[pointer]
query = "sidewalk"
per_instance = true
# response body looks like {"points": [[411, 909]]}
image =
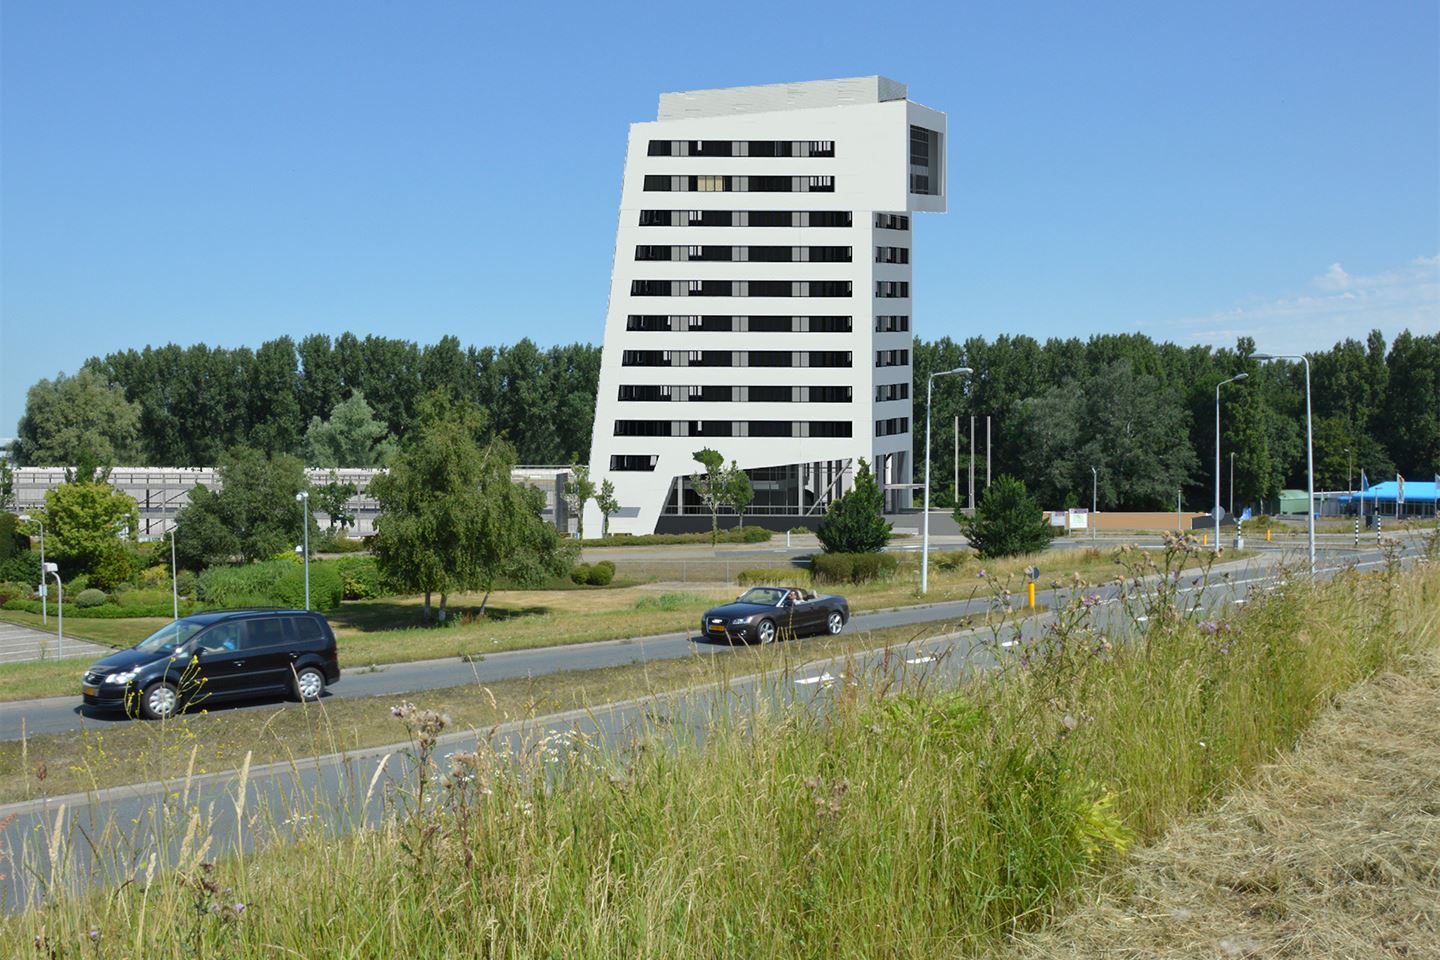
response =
{"points": [[22, 644]]}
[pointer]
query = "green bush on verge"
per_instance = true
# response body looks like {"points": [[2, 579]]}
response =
{"points": [[90, 597], [773, 576], [732, 535], [601, 574], [272, 583], [1008, 521], [853, 567]]}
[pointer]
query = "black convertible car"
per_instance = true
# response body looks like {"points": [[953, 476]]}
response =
{"points": [[768, 613]]}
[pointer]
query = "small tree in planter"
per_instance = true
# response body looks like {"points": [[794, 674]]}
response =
{"points": [[607, 503], [855, 522], [739, 493], [1008, 521], [711, 487]]}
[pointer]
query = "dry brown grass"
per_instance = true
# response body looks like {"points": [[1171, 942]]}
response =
{"points": [[1333, 851]]}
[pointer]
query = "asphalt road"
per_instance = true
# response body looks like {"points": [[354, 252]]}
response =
{"points": [[117, 834], [63, 714]]}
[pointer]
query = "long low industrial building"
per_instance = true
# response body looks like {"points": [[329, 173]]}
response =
{"points": [[160, 492]]}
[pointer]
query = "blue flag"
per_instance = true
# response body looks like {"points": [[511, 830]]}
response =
{"points": [[1364, 481], [1246, 515]]}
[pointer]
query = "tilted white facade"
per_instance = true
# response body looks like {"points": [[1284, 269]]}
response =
{"points": [[760, 303]]}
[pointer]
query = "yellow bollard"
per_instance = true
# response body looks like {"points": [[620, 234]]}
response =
{"points": [[1204, 539], [1032, 594], [1267, 534]]}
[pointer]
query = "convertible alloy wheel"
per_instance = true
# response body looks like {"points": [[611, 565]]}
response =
{"points": [[835, 623], [766, 631]]}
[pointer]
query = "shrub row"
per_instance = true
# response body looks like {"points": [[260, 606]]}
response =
{"points": [[773, 576], [853, 567], [272, 583], [593, 574], [732, 535]]}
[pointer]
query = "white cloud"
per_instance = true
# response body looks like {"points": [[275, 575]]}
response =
{"points": [[1407, 297]]}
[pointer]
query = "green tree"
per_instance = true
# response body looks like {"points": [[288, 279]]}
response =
{"points": [[606, 502], [855, 521], [579, 491], [253, 516], [1412, 409], [1007, 522], [70, 419], [332, 498], [710, 487], [87, 523], [7, 485], [352, 437], [452, 518], [739, 492]]}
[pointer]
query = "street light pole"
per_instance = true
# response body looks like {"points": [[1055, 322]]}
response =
{"points": [[25, 517], [1309, 449], [1094, 488], [1232, 483], [54, 571], [1216, 516], [925, 545], [174, 581], [304, 497]]}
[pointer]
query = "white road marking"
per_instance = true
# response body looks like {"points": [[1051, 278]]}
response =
{"points": [[823, 678], [1008, 643], [927, 659]]}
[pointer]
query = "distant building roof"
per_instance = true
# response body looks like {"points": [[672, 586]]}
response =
{"points": [[1416, 491], [778, 96]]}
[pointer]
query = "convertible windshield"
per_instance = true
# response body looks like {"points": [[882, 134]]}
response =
{"points": [[170, 637], [765, 596]]}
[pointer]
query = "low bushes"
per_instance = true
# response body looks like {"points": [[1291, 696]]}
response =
{"points": [[593, 574], [773, 576], [91, 597], [949, 559], [733, 535], [272, 583], [853, 567], [669, 602], [360, 578]]}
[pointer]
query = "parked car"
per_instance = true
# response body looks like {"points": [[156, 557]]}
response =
{"points": [[219, 655], [769, 613]]}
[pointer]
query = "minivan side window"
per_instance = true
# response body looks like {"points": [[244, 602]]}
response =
{"points": [[268, 632], [308, 628]]}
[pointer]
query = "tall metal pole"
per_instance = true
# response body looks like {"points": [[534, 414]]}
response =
{"points": [[970, 498], [1094, 487], [304, 497], [1309, 449], [1216, 516], [987, 451], [1232, 483], [925, 538], [174, 581], [956, 489]]}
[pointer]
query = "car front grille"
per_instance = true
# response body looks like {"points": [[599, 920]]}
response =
{"points": [[93, 678]]}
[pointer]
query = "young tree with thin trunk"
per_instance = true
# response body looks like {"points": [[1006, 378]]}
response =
{"points": [[607, 503], [710, 485], [739, 492], [579, 491]]}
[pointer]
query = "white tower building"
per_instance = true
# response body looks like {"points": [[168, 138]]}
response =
{"points": [[760, 302]]}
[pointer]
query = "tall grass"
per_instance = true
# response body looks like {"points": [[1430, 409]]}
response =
{"points": [[910, 818]]}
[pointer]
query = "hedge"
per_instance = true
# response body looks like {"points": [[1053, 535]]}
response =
{"points": [[272, 583], [773, 576], [853, 567]]}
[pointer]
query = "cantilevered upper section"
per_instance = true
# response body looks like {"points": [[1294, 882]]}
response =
{"points": [[771, 97]]}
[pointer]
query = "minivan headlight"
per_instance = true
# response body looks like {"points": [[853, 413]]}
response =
{"points": [[124, 676]]}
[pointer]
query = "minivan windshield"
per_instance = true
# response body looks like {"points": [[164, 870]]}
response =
{"points": [[170, 637]]}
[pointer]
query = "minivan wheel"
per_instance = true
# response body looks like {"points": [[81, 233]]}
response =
{"points": [[309, 684], [160, 701]]}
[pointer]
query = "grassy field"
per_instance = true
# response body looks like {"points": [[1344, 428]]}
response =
{"points": [[902, 822], [386, 630], [1329, 854]]}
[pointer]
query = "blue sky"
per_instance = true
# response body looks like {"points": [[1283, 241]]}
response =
{"points": [[231, 172]]}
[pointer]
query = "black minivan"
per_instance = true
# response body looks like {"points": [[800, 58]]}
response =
{"points": [[218, 655]]}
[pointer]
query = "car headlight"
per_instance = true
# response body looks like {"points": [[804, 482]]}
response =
{"points": [[735, 620], [125, 676]]}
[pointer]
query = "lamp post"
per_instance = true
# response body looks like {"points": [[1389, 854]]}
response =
{"points": [[54, 571], [1216, 517], [303, 498], [925, 545], [1232, 483], [25, 517], [174, 580], [1094, 488], [1309, 448]]}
